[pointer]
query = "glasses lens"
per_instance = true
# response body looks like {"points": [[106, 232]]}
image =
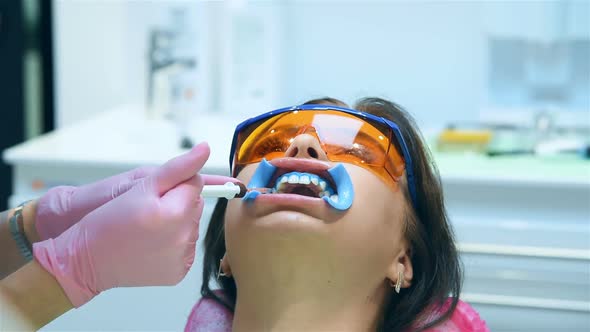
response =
{"points": [[343, 137]]}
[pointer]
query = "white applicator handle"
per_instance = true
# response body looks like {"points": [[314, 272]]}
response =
{"points": [[229, 190]]}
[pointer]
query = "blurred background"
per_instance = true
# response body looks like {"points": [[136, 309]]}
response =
{"points": [[500, 89]]}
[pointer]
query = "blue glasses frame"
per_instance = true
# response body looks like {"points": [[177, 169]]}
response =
{"points": [[362, 115]]}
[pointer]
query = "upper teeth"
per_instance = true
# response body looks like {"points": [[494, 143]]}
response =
{"points": [[305, 179]]}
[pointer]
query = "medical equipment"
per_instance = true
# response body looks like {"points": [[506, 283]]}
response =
{"points": [[229, 190]]}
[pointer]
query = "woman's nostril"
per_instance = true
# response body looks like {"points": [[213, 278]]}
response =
{"points": [[312, 152], [294, 152]]}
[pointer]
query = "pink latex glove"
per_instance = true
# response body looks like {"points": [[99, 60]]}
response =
{"points": [[145, 237], [63, 206]]}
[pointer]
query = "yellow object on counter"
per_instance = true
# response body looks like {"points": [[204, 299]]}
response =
{"points": [[464, 140]]}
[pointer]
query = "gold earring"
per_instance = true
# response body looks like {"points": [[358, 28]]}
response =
{"points": [[398, 284], [220, 272]]}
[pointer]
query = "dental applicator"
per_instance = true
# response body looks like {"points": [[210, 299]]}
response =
{"points": [[229, 190]]}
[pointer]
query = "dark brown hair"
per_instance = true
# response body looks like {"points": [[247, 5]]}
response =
{"points": [[437, 279]]}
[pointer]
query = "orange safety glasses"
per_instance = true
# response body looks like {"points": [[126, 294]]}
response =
{"points": [[345, 135]]}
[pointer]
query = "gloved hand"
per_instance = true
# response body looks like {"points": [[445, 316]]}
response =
{"points": [[145, 237], [63, 206]]}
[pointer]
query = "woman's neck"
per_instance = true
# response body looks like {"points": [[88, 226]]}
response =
{"points": [[306, 304], [305, 283]]}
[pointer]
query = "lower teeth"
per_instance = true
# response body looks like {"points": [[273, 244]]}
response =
{"points": [[333, 197]]}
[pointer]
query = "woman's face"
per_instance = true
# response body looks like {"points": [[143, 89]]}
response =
{"points": [[290, 235]]}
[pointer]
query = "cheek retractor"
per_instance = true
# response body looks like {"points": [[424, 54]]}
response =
{"points": [[260, 179], [344, 187]]}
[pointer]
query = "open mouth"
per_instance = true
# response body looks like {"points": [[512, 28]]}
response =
{"points": [[303, 183], [295, 176]]}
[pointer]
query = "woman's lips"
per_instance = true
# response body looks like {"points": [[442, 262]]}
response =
{"points": [[267, 205], [288, 198], [286, 201]]}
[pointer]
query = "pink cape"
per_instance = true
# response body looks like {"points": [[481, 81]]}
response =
{"points": [[210, 316]]}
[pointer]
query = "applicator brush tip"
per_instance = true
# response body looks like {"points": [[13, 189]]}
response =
{"points": [[243, 190]]}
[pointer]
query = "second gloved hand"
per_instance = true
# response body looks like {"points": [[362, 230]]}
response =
{"points": [[63, 206], [145, 237]]}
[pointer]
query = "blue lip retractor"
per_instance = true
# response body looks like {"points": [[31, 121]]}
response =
{"points": [[344, 187], [260, 179]]}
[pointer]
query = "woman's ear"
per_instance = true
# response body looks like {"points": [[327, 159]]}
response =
{"points": [[403, 264], [225, 267]]}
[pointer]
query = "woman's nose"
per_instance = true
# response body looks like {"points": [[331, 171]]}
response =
{"points": [[306, 146]]}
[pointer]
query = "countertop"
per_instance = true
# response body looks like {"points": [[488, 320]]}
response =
{"points": [[124, 137]]}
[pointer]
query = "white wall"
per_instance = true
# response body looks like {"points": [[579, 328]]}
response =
{"points": [[91, 64], [430, 57], [101, 50]]}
